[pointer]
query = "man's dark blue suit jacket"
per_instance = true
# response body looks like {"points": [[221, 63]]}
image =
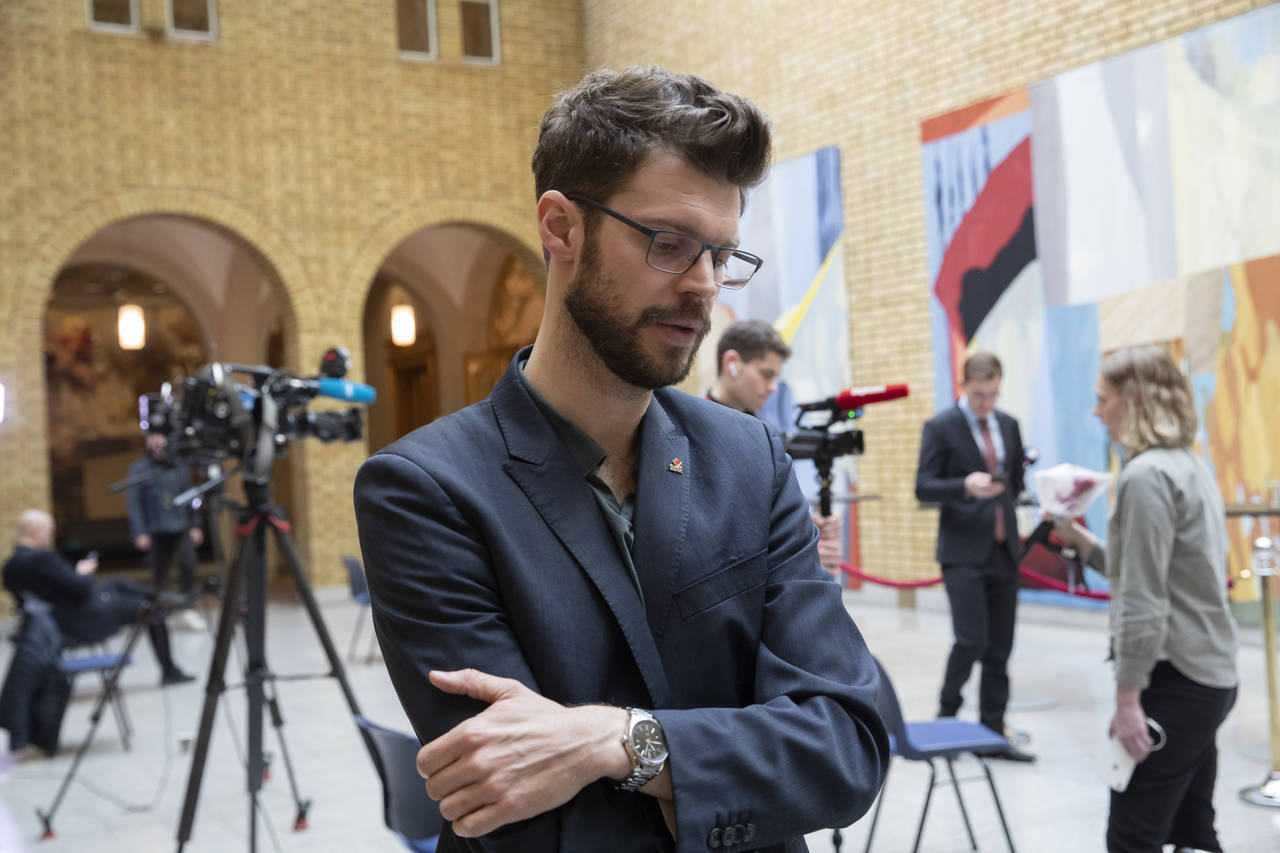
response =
{"points": [[485, 548]]}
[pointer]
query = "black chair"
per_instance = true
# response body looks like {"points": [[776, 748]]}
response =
{"points": [[360, 595], [944, 738], [407, 810]]}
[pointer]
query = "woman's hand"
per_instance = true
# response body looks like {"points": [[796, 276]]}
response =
{"points": [[1073, 534], [1129, 724]]}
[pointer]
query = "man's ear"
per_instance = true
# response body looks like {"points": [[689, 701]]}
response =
{"points": [[731, 359], [560, 226]]}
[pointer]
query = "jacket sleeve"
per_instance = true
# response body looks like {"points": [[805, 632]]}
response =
{"points": [[70, 586], [1016, 462], [436, 605], [932, 483], [1139, 563], [812, 750]]}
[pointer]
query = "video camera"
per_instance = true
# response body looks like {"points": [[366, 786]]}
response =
{"points": [[211, 416], [824, 441]]}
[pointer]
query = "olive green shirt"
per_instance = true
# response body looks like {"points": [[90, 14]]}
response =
{"points": [[1166, 557]]}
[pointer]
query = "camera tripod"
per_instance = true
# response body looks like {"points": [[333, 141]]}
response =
{"points": [[249, 566]]}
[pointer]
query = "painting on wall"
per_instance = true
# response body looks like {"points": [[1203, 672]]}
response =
{"points": [[1131, 201], [92, 400], [794, 220]]}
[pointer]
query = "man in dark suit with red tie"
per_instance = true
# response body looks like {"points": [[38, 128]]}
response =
{"points": [[971, 463]]}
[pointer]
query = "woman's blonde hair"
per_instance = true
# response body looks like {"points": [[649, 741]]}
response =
{"points": [[1159, 408]]}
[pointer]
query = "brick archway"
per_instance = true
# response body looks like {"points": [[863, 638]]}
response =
{"points": [[23, 323]]}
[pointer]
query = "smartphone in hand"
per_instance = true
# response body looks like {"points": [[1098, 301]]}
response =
{"points": [[92, 555]]}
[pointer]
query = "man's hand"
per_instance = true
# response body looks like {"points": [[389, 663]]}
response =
{"points": [[1130, 723], [981, 485], [197, 536], [520, 757], [87, 566], [829, 547], [142, 542]]}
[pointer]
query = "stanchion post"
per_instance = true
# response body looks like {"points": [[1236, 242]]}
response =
{"points": [[1267, 793]]}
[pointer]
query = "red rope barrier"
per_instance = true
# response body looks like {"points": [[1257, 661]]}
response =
{"points": [[1036, 577], [861, 575], [1055, 584]]}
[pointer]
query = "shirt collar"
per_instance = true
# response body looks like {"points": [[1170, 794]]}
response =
{"points": [[586, 451], [970, 417]]}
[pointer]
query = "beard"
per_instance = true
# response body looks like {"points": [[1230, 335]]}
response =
{"points": [[595, 306]]}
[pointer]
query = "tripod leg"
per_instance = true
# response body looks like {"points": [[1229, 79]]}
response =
{"points": [[277, 720], [214, 685], [110, 685], [285, 542], [255, 638]]}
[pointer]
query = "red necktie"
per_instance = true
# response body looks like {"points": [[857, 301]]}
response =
{"points": [[989, 456]]}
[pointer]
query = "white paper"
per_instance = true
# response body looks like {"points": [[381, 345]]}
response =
{"points": [[1067, 490]]}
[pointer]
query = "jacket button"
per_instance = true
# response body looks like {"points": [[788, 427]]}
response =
{"points": [[713, 840], [750, 832], [731, 835]]}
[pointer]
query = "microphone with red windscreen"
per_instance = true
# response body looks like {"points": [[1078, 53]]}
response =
{"points": [[855, 398]]}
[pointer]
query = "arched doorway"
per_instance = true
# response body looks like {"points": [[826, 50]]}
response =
{"points": [[475, 297], [204, 294]]}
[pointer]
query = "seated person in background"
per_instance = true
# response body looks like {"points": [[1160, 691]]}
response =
{"points": [[85, 612], [749, 359]]}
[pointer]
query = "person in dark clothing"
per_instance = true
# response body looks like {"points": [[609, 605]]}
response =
{"points": [[749, 359], [972, 465], [165, 532], [86, 612]]}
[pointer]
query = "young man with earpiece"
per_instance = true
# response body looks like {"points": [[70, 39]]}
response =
{"points": [[749, 359]]}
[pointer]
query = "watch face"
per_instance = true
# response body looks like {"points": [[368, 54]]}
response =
{"points": [[648, 741]]}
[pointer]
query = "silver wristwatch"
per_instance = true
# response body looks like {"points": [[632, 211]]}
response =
{"points": [[647, 745]]}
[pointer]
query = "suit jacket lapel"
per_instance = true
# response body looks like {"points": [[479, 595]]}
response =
{"points": [[663, 483], [546, 472]]}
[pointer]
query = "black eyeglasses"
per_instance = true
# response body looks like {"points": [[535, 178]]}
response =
{"points": [[676, 253]]}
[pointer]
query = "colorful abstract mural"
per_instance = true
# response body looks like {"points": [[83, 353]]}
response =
{"points": [[1130, 201]]}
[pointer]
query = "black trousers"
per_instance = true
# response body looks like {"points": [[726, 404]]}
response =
{"points": [[165, 548], [117, 602], [984, 607], [1170, 797]]}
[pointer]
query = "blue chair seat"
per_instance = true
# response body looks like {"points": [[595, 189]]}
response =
{"points": [[90, 663], [949, 736]]}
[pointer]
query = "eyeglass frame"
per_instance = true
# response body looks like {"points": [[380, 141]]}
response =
{"points": [[652, 234]]}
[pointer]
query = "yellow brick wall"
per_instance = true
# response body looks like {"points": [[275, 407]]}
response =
{"points": [[862, 75], [300, 132]]}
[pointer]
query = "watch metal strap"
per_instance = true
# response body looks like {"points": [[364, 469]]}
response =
{"points": [[642, 773]]}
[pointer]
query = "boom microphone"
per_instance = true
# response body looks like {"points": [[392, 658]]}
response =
{"points": [[336, 389], [856, 398], [341, 389]]}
